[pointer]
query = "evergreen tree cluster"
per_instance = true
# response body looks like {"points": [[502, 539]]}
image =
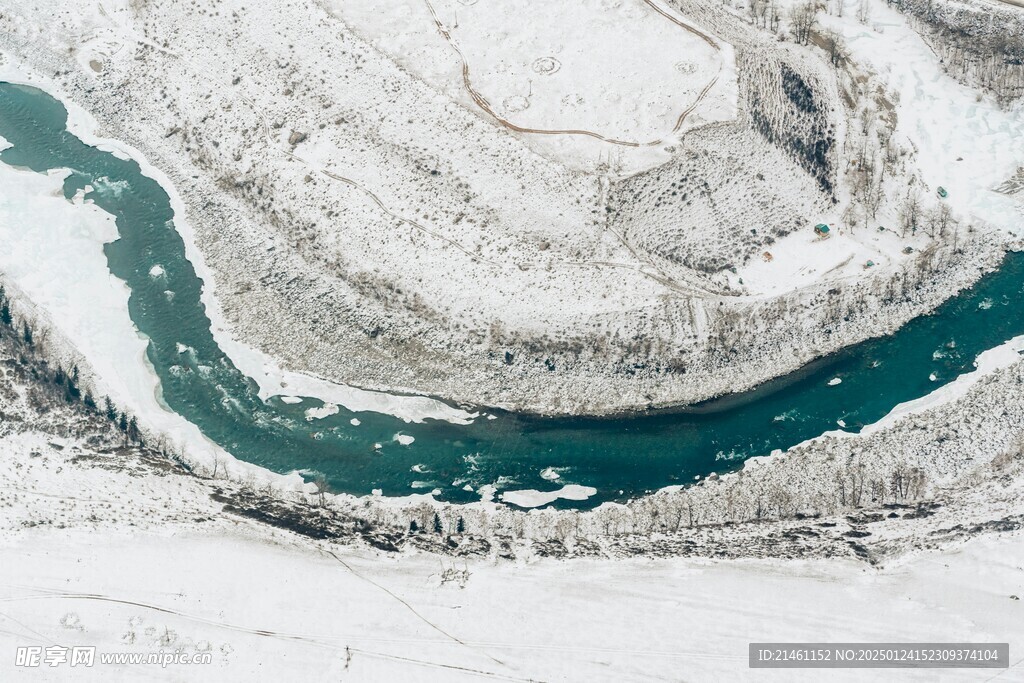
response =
{"points": [[68, 383], [437, 525]]}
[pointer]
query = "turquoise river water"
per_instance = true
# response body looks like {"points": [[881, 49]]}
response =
{"points": [[621, 457]]}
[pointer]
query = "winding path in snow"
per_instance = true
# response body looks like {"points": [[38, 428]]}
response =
{"points": [[484, 105]]}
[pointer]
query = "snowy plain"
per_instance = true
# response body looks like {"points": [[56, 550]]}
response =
{"points": [[355, 616]]}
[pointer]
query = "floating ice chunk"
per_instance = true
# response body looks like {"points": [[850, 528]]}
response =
{"points": [[404, 439], [355, 422], [114, 187], [531, 498], [549, 474], [291, 400], [327, 410], [157, 271], [835, 381]]}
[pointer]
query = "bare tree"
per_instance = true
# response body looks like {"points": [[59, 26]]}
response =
{"points": [[321, 489], [900, 482], [216, 465], [911, 211], [863, 11], [857, 477], [757, 10], [774, 15], [803, 18], [942, 219], [836, 48]]}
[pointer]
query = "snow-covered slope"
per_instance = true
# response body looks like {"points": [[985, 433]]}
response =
{"points": [[338, 164]]}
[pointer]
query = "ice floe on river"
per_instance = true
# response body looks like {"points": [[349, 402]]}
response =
{"points": [[531, 498], [326, 410]]}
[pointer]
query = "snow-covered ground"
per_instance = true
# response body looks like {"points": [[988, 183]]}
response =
{"points": [[803, 259], [103, 550], [335, 614], [966, 142], [843, 250], [53, 254], [633, 72]]}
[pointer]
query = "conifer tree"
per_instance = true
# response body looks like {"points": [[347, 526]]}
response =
{"points": [[133, 430]]}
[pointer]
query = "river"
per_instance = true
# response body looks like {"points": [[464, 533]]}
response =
{"points": [[620, 457]]}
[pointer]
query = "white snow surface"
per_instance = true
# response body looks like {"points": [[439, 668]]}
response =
{"points": [[358, 616], [622, 69]]}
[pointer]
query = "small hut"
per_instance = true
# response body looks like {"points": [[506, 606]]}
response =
{"points": [[821, 230]]}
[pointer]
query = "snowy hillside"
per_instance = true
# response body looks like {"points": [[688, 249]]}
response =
{"points": [[369, 163]]}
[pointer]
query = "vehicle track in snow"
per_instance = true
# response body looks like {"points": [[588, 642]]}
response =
{"points": [[483, 104]]}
